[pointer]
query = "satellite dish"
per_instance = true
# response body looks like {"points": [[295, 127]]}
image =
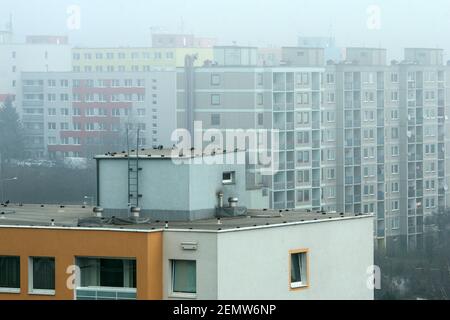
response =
{"points": [[446, 187], [409, 134]]}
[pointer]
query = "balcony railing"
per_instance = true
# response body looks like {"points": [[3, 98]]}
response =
{"points": [[105, 293]]}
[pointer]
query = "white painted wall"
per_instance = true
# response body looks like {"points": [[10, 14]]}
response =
{"points": [[254, 264]]}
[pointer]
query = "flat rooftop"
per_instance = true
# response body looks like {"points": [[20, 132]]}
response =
{"points": [[163, 153], [68, 217]]}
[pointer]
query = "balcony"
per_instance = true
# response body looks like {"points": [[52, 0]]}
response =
{"points": [[290, 165], [280, 185], [278, 106], [289, 125], [106, 279], [278, 86], [279, 125], [279, 205]]}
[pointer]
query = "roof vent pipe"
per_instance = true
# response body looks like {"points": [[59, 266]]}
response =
{"points": [[232, 201], [135, 211], [98, 212], [220, 196]]}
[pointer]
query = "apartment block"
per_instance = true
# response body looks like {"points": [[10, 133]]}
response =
{"points": [[32, 56], [68, 114], [135, 59], [78, 253], [286, 99], [167, 40]]}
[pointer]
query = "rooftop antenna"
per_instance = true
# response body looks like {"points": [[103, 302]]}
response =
{"points": [[181, 25], [10, 24]]}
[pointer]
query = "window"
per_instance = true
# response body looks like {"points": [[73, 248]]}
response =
{"points": [[330, 116], [77, 126], [52, 111], [330, 97], [394, 95], [394, 77], [394, 133], [228, 177], [299, 269], [260, 79], [184, 276], [302, 78], [302, 196], [111, 273], [369, 190], [9, 274], [303, 137], [303, 176], [76, 111], [430, 149], [215, 119], [302, 117], [260, 99], [394, 151], [332, 192], [215, 99], [395, 187], [302, 98], [215, 79], [395, 223], [51, 140], [331, 155], [330, 78], [260, 119], [302, 157], [394, 169], [42, 275], [394, 115], [331, 174], [395, 205]]}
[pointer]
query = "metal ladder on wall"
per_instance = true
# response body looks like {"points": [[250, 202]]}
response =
{"points": [[133, 174]]}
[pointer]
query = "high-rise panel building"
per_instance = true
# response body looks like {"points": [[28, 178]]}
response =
{"points": [[358, 136], [135, 59], [68, 114], [34, 56]]}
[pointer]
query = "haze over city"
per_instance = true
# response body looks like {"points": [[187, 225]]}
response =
{"points": [[402, 23], [198, 150]]}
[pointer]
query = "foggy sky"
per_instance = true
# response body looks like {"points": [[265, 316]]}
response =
{"points": [[404, 23]]}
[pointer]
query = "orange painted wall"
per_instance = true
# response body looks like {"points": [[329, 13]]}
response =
{"points": [[66, 244]]}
